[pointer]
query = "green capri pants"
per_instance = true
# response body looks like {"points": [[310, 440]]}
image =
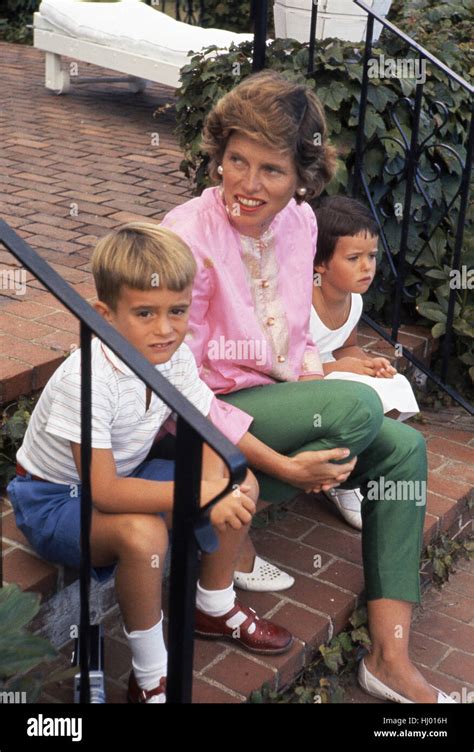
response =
{"points": [[391, 469]]}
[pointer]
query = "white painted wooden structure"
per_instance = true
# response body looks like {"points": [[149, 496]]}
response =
{"points": [[128, 37], [336, 18]]}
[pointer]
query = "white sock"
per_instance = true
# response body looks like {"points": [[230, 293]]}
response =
{"points": [[149, 657], [218, 603], [215, 602]]}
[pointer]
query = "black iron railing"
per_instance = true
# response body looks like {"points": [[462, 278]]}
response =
{"points": [[191, 527], [412, 148]]}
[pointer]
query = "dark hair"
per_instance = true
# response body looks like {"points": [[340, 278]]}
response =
{"points": [[338, 216], [281, 115]]}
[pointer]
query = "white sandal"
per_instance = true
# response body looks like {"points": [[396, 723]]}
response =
{"points": [[376, 688], [264, 577]]}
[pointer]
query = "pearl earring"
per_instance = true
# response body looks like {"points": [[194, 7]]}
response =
{"points": [[220, 170], [301, 191]]}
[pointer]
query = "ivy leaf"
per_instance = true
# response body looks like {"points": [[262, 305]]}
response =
{"points": [[439, 568], [361, 635], [332, 657], [438, 329], [341, 178], [332, 96], [393, 148], [345, 641], [407, 86], [358, 617], [463, 327], [373, 124], [335, 53], [438, 246], [17, 609], [380, 95], [20, 652], [432, 311], [373, 163]]}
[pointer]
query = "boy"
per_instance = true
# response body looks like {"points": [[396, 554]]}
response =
{"points": [[143, 275]]}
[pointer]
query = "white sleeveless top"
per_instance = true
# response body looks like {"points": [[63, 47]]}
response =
{"points": [[329, 340], [395, 393]]}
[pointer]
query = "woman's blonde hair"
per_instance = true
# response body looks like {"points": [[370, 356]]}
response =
{"points": [[281, 115], [142, 256]]}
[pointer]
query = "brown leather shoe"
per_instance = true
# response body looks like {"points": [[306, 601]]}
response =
{"points": [[137, 695], [267, 638]]}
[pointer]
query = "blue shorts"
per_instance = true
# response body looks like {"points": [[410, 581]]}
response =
{"points": [[51, 520]]}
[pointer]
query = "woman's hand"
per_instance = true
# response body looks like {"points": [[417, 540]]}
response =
{"points": [[313, 471]]}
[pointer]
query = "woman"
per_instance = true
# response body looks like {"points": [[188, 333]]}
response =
{"points": [[254, 239]]}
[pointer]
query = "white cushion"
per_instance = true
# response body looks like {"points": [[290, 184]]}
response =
{"points": [[133, 26]]}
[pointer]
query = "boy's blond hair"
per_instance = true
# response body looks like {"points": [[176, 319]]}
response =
{"points": [[143, 256]]}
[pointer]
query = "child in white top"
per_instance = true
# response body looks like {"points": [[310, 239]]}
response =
{"points": [[344, 268], [144, 276]]}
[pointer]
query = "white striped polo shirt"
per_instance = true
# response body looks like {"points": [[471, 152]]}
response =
{"points": [[120, 420]]}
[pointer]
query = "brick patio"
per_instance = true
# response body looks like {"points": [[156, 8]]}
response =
{"points": [[71, 168], [89, 154]]}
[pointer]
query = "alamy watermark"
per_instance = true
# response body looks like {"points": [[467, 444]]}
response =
{"points": [[254, 350], [461, 279], [464, 697], [14, 280], [42, 725], [397, 490], [12, 698], [401, 68]]}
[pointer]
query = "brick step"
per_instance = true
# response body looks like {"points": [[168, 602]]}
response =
{"points": [[314, 609], [417, 339], [39, 334]]}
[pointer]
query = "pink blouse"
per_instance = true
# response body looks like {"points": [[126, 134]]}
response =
{"points": [[249, 320]]}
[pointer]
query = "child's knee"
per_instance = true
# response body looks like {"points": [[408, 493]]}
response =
{"points": [[144, 535]]}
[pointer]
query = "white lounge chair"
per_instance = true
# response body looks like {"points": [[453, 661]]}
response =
{"points": [[128, 36]]}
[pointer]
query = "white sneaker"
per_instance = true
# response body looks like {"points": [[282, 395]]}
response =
{"points": [[376, 688], [264, 577], [347, 502]]}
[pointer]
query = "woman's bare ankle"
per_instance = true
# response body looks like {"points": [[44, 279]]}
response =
{"points": [[402, 676]]}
